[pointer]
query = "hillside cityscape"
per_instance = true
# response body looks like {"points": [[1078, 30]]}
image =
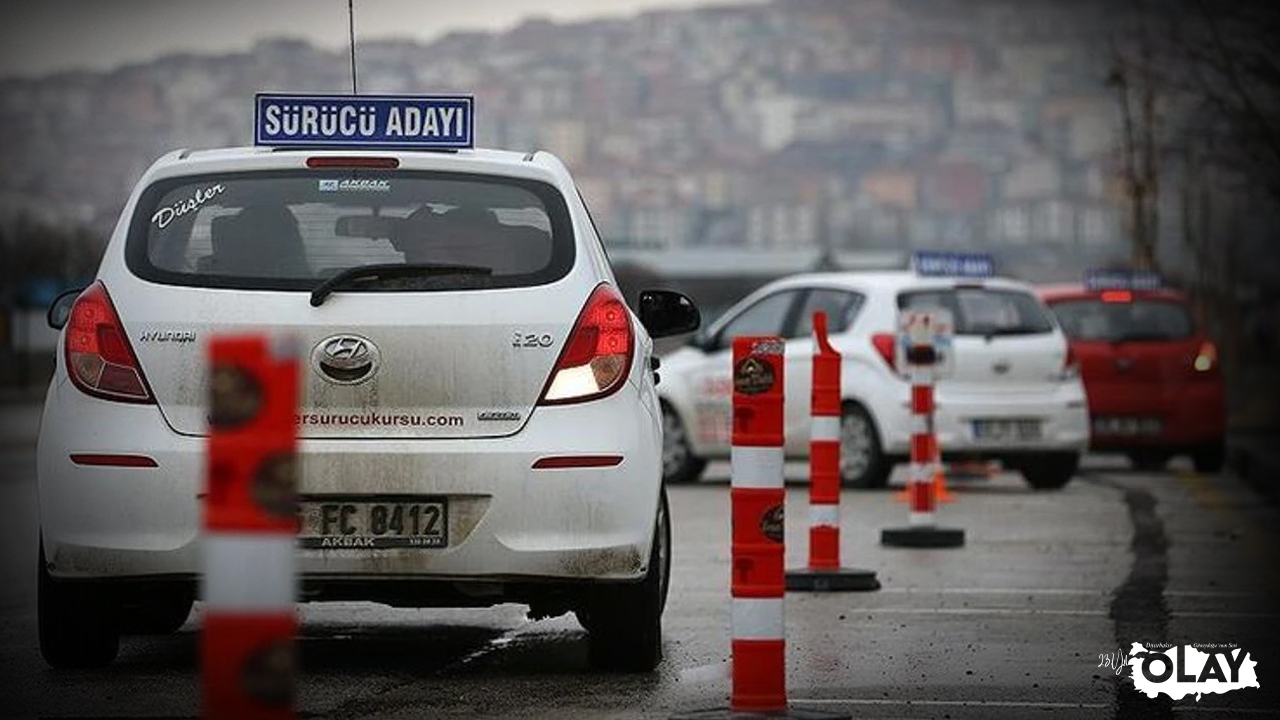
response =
{"points": [[796, 124]]}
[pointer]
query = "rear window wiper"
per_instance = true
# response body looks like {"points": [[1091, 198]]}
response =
{"points": [[392, 270], [989, 333], [1140, 336]]}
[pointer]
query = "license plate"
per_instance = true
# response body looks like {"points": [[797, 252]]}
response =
{"points": [[1126, 425], [422, 523], [1007, 430]]}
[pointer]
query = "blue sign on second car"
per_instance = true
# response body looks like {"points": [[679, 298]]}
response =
{"points": [[1097, 279], [389, 121]]}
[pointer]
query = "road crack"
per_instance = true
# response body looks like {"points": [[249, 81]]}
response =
{"points": [[1138, 609]]}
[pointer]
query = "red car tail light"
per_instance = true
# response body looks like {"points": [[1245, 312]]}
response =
{"points": [[1117, 296], [99, 359], [884, 344], [597, 356], [1070, 365]]}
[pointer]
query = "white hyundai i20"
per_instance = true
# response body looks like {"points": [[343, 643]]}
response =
{"points": [[464, 340]]}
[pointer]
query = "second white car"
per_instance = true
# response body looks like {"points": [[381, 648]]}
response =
{"points": [[1014, 393]]}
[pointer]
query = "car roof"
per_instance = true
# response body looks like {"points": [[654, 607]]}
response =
{"points": [[889, 281], [537, 163]]}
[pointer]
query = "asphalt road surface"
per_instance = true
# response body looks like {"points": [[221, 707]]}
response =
{"points": [[1012, 625]]}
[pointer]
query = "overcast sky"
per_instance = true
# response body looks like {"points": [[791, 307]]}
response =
{"points": [[41, 36]]}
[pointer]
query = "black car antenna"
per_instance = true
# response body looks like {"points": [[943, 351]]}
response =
{"points": [[351, 30]]}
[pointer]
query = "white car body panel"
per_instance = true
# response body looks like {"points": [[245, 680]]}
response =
{"points": [[507, 520]]}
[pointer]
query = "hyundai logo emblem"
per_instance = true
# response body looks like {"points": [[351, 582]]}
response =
{"points": [[346, 359], [1001, 367]]}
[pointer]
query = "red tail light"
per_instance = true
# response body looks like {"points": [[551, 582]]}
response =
{"points": [[1070, 365], [1206, 360], [99, 359], [1117, 296], [884, 344], [597, 357]]}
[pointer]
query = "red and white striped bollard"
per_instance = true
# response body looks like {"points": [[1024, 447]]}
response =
{"points": [[247, 651], [921, 530], [758, 541], [824, 572]]}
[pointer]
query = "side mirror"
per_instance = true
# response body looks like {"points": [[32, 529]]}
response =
{"points": [[665, 312], [60, 308]]}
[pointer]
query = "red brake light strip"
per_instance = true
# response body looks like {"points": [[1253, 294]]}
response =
{"points": [[332, 161]]}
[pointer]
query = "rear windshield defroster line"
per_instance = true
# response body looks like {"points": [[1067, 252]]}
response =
{"points": [[192, 199]]}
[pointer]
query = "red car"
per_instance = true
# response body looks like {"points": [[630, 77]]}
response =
{"points": [[1152, 377]]}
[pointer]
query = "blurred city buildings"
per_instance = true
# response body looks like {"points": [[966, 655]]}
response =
{"points": [[793, 126]]}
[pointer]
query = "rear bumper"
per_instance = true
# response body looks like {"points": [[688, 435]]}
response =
{"points": [[1192, 415], [507, 521], [1062, 414]]}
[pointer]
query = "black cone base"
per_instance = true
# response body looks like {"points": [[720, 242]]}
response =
{"points": [[922, 537], [727, 714], [837, 580]]}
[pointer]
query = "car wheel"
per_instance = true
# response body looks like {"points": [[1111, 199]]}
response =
{"points": [[76, 625], [862, 460], [1149, 460], [679, 464], [1209, 460], [1051, 471], [624, 621]]}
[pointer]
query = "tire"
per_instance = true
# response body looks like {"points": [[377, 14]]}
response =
{"points": [[1209, 460], [159, 611], [1149, 460], [1050, 471], [679, 464], [624, 621], [76, 622], [862, 460]]}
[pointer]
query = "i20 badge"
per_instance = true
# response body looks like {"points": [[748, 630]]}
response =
{"points": [[346, 359]]}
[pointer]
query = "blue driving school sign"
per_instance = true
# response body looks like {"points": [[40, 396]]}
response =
{"points": [[1100, 279], [953, 264], [421, 122]]}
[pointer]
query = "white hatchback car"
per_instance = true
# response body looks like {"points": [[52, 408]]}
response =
{"points": [[1014, 394], [464, 341]]}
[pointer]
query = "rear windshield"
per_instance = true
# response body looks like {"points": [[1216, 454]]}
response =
{"points": [[1112, 321], [983, 311], [290, 230]]}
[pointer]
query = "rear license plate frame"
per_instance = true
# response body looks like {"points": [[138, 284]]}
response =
{"points": [[333, 523], [1126, 425], [1015, 430]]}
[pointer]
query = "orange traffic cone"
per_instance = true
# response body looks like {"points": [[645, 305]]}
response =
{"points": [[940, 490]]}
